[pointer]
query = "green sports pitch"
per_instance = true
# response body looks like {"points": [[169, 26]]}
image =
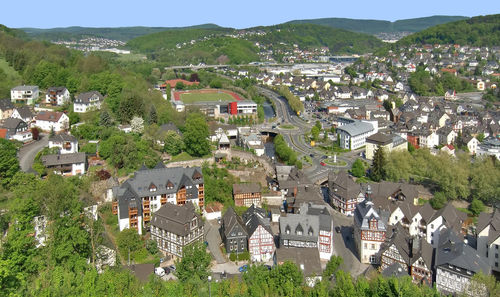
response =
{"points": [[193, 97]]}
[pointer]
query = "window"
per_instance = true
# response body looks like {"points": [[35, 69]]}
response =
{"points": [[432, 226]]}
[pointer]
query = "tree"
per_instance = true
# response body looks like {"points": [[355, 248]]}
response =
{"points": [[332, 266], [105, 119], [194, 77], [216, 84], [152, 247], [179, 86], [153, 116], [358, 169], [74, 117], [9, 164], [476, 207], [173, 144], [194, 264], [438, 201], [480, 137], [314, 133], [378, 165], [196, 135], [137, 125], [128, 240]]}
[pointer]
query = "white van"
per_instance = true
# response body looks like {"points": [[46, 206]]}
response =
{"points": [[159, 271]]}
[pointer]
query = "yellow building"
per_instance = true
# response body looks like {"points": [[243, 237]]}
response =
{"points": [[390, 142]]}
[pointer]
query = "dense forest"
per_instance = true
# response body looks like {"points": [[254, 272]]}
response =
{"points": [[476, 31], [120, 33], [379, 26]]}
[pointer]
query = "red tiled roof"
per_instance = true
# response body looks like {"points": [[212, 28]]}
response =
{"points": [[51, 116], [3, 133]]}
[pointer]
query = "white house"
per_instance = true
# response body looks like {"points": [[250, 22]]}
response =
{"points": [[23, 113], [67, 164], [488, 238], [66, 143], [353, 136], [472, 144], [51, 120], [57, 96], [446, 217], [88, 101], [24, 94]]}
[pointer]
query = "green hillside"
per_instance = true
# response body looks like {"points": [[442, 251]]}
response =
{"points": [[169, 39], [476, 31], [211, 44], [380, 26], [120, 33], [339, 41]]}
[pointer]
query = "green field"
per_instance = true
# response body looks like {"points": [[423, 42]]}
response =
{"points": [[188, 98]]}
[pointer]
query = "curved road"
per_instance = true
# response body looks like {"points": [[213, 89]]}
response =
{"points": [[295, 138], [28, 152]]}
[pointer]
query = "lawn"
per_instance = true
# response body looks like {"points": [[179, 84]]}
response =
{"points": [[287, 127], [193, 97]]}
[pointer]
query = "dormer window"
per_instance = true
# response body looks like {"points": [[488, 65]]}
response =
{"points": [[152, 187], [373, 224], [287, 230], [299, 230]]}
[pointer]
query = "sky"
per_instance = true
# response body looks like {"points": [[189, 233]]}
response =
{"points": [[227, 13]]}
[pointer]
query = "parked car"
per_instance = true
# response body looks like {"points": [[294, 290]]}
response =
{"points": [[167, 270], [159, 271], [322, 164], [243, 268], [337, 229]]}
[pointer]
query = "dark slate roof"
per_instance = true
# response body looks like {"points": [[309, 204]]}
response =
{"points": [[307, 259], [160, 165], [64, 159], [176, 218], [62, 137], [6, 104], [57, 90], [12, 123], [319, 210], [379, 138], [492, 220], [308, 225], [246, 188], [253, 211], [453, 251], [85, 97], [254, 222], [230, 221], [179, 177], [427, 212], [25, 112], [452, 217], [169, 127], [395, 270], [343, 186], [364, 212]]}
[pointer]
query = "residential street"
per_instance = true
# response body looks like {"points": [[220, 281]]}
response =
{"points": [[28, 152], [213, 238]]}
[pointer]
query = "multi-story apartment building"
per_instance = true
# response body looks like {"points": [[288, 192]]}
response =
{"points": [[247, 194], [57, 96], [353, 136], [137, 198], [24, 94], [369, 230], [175, 226]]}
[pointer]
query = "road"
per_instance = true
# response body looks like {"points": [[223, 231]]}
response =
{"points": [[213, 238], [295, 138], [28, 152]]}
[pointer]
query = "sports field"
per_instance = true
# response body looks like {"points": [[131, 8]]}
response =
{"points": [[189, 97]]}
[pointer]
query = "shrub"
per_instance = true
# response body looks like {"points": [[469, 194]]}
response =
{"points": [[245, 256], [232, 257]]}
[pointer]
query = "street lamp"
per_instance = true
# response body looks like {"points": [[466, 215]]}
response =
{"points": [[209, 286]]}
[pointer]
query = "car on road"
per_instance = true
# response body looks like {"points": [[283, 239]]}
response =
{"points": [[311, 155], [322, 164], [243, 268], [337, 229]]}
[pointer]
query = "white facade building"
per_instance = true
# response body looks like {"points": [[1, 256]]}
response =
{"points": [[88, 101], [353, 136], [24, 94], [51, 120], [57, 96]]}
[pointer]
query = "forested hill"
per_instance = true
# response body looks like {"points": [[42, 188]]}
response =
{"points": [[238, 46], [381, 26], [119, 33], [476, 31]]}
